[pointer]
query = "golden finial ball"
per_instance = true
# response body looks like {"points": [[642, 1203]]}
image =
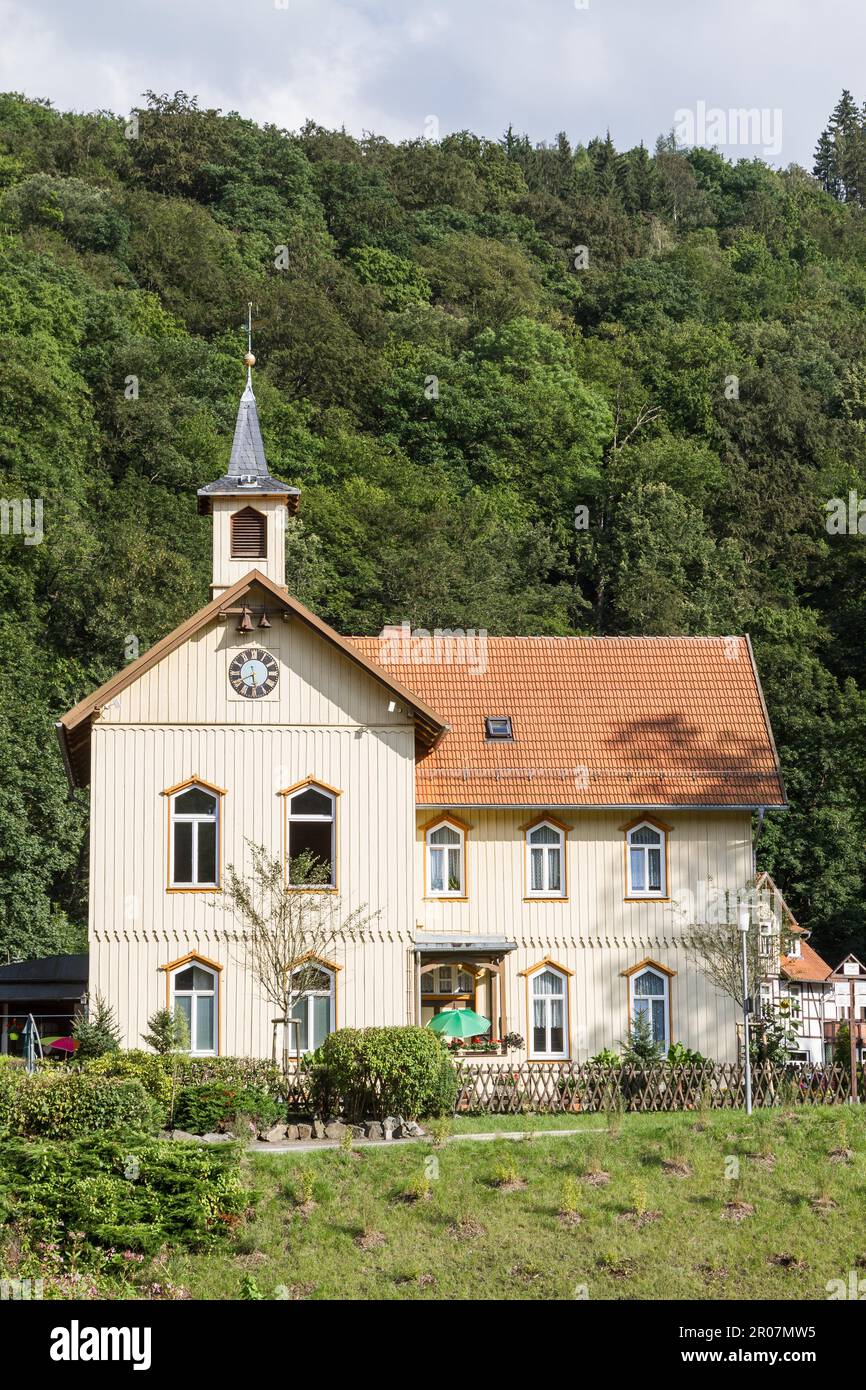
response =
{"points": [[249, 359]]}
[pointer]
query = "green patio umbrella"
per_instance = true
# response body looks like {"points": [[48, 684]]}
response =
{"points": [[459, 1023]]}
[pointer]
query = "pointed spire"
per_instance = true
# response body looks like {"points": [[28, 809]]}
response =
{"points": [[248, 468]]}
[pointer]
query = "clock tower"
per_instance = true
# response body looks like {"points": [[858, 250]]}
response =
{"points": [[248, 506]]}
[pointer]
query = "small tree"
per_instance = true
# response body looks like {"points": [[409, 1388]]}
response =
{"points": [[287, 928], [96, 1030], [167, 1032], [717, 947], [639, 1046]]}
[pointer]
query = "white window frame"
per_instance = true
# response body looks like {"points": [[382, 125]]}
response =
{"points": [[460, 847], [665, 997], [192, 995], [305, 819], [330, 993], [545, 891], [194, 818], [647, 892], [547, 1055]]}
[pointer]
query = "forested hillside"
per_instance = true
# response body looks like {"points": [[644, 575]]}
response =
{"points": [[447, 376]]}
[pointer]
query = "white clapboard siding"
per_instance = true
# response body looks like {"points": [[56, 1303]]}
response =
{"points": [[328, 720]]}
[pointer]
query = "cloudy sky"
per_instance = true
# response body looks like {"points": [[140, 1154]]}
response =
{"points": [[405, 68]]}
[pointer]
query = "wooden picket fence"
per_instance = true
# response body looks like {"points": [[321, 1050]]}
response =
{"points": [[503, 1088]]}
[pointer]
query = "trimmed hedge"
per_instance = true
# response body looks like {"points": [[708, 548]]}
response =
{"points": [[68, 1104], [374, 1072], [162, 1075]]}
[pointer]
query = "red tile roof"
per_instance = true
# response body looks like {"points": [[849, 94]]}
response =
{"points": [[807, 966], [613, 721]]}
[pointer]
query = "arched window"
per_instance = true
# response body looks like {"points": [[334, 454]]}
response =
{"points": [[545, 876], [445, 861], [194, 992], [311, 839], [316, 1007], [194, 837], [647, 873], [650, 998], [249, 535], [548, 1014]]}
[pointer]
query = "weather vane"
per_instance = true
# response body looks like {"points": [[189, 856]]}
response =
{"points": [[249, 359]]}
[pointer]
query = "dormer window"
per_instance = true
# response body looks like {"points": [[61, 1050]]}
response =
{"points": [[249, 535], [497, 727]]}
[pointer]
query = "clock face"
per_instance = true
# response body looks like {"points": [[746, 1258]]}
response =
{"points": [[253, 673]]}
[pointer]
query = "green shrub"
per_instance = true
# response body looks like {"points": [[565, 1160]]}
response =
{"points": [[130, 1193], [167, 1032], [154, 1072], [382, 1071], [65, 1104], [233, 1071], [96, 1031], [200, 1109], [167, 1076], [678, 1054]]}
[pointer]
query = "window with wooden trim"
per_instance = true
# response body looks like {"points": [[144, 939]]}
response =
{"points": [[548, 1015], [315, 1009], [446, 869], [545, 861], [311, 815], [194, 838], [447, 979], [194, 993], [646, 861], [249, 535], [650, 998]]}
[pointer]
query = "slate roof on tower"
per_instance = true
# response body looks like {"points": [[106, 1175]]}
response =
{"points": [[248, 473]]}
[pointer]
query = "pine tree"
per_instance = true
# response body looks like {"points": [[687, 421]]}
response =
{"points": [[840, 157]]}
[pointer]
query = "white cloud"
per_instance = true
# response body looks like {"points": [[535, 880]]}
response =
{"points": [[384, 65]]}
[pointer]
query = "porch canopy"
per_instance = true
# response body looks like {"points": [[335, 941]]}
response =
{"points": [[478, 954]]}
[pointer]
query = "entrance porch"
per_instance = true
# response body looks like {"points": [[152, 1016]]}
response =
{"points": [[461, 973]]}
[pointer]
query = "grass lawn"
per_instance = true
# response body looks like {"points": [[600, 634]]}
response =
{"points": [[499, 1219]]}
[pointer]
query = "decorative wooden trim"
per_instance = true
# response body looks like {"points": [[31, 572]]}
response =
{"points": [[314, 887], [542, 965], [195, 782], [564, 829], [309, 782], [194, 888], [527, 974], [211, 965], [646, 820], [563, 825], [652, 964], [464, 827]]}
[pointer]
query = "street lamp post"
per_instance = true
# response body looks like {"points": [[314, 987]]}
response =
{"points": [[744, 923]]}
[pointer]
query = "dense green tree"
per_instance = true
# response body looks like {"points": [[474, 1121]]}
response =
{"points": [[528, 387]]}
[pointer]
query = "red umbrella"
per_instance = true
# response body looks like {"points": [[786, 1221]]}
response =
{"points": [[64, 1044]]}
